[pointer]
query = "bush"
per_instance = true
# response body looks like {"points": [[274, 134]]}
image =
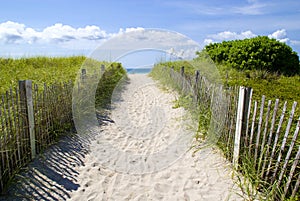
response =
{"points": [[259, 53]]}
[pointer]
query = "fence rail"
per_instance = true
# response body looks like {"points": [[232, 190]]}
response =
{"points": [[260, 133]]}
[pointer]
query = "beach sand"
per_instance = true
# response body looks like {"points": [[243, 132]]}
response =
{"points": [[140, 152], [147, 127]]}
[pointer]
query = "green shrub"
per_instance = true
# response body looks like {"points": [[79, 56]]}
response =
{"points": [[259, 53]]}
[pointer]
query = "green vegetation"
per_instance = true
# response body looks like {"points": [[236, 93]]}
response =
{"points": [[199, 113], [249, 178], [244, 63], [58, 70], [259, 53], [265, 83], [40, 70], [60, 74], [107, 84], [53, 111], [270, 67]]}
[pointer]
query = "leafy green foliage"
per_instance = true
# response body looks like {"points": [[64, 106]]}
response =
{"points": [[259, 53]]}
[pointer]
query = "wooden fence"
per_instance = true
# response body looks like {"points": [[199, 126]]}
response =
{"points": [[31, 119], [256, 133]]}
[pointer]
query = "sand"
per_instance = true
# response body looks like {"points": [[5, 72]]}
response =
{"points": [[144, 153], [140, 152]]}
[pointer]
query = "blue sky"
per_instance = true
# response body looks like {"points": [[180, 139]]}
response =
{"points": [[63, 27]]}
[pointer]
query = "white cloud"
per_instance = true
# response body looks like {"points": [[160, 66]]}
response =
{"points": [[131, 29], [228, 35], [58, 37], [208, 41], [182, 53], [280, 35], [146, 39], [12, 32]]}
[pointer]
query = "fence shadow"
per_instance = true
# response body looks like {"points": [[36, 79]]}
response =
{"points": [[52, 175]]}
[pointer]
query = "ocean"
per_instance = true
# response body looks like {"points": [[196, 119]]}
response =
{"points": [[138, 70]]}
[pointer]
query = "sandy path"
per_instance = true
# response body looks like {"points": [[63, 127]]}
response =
{"points": [[142, 154]]}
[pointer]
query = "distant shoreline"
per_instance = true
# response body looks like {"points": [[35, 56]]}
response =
{"points": [[138, 70]]}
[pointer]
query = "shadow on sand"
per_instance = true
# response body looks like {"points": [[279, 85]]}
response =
{"points": [[52, 175]]}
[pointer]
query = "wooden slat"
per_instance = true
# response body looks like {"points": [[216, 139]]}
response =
{"points": [[287, 158], [270, 137], [291, 174], [257, 143], [232, 127], [2, 148], [287, 131], [263, 149], [45, 114], [10, 132], [252, 127], [12, 118], [295, 190], [6, 138], [249, 101], [21, 132], [238, 128], [276, 140]]}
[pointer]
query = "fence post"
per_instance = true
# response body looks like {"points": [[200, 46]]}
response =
{"points": [[246, 113], [182, 71], [83, 74], [197, 75], [25, 87], [241, 121], [182, 78], [172, 72], [102, 69]]}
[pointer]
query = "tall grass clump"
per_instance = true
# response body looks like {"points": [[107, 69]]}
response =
{"points": [[40, 70]]}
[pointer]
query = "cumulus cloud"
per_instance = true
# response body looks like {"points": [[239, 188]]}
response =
{"points": [[208, 41], [13, 32], [131, 29], [228, 35], [173, 43], [65, 37], [280, 35], [180, 54]]}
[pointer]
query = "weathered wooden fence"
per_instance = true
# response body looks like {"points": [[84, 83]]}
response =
{"points": [[32, 118], [261, 134]]}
